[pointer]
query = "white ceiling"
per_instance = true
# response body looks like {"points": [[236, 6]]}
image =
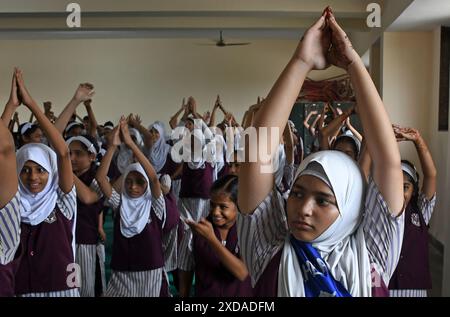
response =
{"points": [[202, 19], [423, 15]]}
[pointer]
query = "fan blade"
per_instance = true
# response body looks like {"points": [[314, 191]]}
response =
{"points": [[204, 44], [235, 44]]}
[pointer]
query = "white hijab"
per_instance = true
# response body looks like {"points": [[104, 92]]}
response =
{"points": [[135, 212], [280, 161], [342, 245], [37, 207], [125, 155], [197, 159], [158, 152]]}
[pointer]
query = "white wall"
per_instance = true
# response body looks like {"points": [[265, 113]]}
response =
{"points": [[411, 95], [146, 76]]}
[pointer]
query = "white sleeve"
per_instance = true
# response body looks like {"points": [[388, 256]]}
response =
{"points": [[114, 201], [262, 234], [67, 203], [9, 230]]}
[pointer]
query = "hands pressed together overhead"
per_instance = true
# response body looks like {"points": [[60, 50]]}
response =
{"points": [[84, 93], [325, 43], [405, 134]]}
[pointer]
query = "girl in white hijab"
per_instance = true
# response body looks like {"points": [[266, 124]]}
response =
{"points": [[332, 237], [48, 211], [9, 202], [137, 259], [125, 155], [159, 149]]}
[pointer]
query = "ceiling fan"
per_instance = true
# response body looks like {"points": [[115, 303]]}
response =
{"points": [[221, 42]]}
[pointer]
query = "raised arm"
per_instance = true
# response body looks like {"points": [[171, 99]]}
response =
{"points": [[12, 104], [312, 128], [135, 122], [332, 128], [288, 144], [212, 120], [8, 170], [15, 120], [84, 92], [275, 111], [426, 160], [174, 119], [353, 130], [141, 158], [93, 124], [85, 194], [380, 139], [306, 121], [102, 172], [53, 135], [192, 105]]}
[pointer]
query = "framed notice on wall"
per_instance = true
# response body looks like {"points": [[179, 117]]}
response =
{"points": [[444, 82]]}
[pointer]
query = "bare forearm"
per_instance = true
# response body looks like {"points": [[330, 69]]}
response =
{"points": [[289, 144], [145, 134], [65, 116], [212, 120], [231, 262], [333, 127], [380, 139], [102, 172], [7, 114], [428, 168], [53, 135], [273, 113], [355, 132], [84, 193], [92, 121], [185, 282]]}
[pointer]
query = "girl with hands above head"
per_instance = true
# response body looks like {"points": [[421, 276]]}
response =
{"points": [[412, 277], [83, 93], [137, 258], [9, 205], [333, 237], [48, 209]]}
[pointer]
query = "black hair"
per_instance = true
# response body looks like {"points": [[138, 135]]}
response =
{"points": [[27, 133], [414, 201], [30, 130], [410, 179], [77, 125], [108, 123], [85, 118], [227, 184], [91, 139], [347, 139]]}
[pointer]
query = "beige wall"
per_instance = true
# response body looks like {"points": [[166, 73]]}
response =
{"points": [[411, 94], [146, 76]]}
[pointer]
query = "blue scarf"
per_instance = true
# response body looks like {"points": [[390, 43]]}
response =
{"points": [[317, 279]]}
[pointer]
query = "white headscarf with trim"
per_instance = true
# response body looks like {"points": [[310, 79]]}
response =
{"points": [[342, 246], [37, 207], [135, 212], [125, 155], [159, 151]]}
